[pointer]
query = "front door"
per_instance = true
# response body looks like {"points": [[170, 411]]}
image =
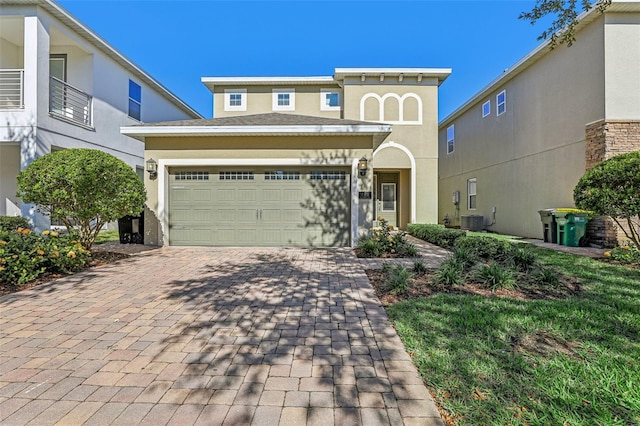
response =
{"points": [[387, 197]]}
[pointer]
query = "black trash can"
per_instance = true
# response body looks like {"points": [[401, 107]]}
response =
{"points": [[131, 229]]}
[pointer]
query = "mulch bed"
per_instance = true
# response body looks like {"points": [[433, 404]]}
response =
{"points": [[424, 286], [98, 258]]}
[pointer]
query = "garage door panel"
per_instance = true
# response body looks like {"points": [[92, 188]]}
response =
{"points": [[259, 207]]}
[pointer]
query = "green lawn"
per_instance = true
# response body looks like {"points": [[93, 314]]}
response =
{"points": [[547, 362], [107, 236]]}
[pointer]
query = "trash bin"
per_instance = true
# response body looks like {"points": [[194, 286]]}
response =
{"points": [[549, 225], [572, 227], [131, 229]]}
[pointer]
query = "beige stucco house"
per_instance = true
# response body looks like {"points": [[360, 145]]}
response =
{"points": [[309, 161], [523, 142]]}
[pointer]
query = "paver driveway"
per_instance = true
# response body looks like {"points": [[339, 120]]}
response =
{"points": [[208, 336]]}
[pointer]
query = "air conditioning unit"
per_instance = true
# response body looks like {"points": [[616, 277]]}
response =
{"points": [[472, 222]]}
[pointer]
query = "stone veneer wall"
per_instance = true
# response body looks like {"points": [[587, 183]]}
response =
{"points": [[605, 139]]}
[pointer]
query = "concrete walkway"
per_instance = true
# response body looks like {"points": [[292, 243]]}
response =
{"points": [[208, 336]]}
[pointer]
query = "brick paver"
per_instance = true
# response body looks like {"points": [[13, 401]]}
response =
{"points": [[209, 336]]}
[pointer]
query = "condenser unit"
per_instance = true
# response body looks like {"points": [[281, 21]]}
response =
{"points": [[472, 222]]}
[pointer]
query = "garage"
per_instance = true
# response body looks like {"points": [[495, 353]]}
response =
{"points": [[250, 206]]}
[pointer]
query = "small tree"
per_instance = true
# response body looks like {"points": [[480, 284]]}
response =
{"points": [[83, 188], [612, 188]]}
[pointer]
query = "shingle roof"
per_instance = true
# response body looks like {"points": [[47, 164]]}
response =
{"points": [[269, 119]]}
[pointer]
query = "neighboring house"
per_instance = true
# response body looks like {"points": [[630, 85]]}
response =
{"points": [[296, 160], [62, 86], [522, 143]]}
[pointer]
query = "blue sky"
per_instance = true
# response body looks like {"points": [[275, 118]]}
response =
{"points": [[178, 42]]}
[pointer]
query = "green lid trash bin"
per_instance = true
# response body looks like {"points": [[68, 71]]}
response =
{"points": [[572, 226], [549, 226]]}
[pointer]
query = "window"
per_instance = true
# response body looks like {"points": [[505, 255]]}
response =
{"points": [[135, 100], [471, 194], [192, 176], [235, 100], [236, 175], [280, 175], [322, 175], [329, 100], [284, 99], [486, 109], [451, 130], [501, 102]]}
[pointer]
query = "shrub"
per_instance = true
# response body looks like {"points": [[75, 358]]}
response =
{"points": [[523, 258], [11, 223], [419, 268], [398, 279], [25, 255], [368, 247], [485, 247], [450, 273], [464, 256], [385, 242], [494, 276], [546, 276], [626, 254], [435, 234], [84, 188]]}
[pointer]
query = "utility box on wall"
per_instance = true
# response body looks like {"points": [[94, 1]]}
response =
{"points": [[472, 222]]}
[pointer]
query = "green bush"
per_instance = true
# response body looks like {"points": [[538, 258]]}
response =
{"points": [[435, 234], [547, 276], [450, 273], [465, 257], [399, 279], [628, 254], [494, 276], [523, 258], [385, 242], [11, 223], [419, 268], [486, 248], [25, 255]]}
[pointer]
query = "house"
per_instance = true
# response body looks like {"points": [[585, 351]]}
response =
{"points": [[310, 161], [521, 144], [62, 86]]}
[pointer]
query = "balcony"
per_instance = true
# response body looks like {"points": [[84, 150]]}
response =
{"points": [[69, 103], [11, 89]]}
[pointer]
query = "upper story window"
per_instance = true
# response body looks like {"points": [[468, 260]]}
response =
{"points": [[486, 109], [235, 99], [451, 136], [329, 100], [501, 102], [135, 100], [284, 99]]}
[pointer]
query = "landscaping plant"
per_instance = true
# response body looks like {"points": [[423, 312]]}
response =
{"points": [[11, 223], [83, 188], [386, 241]]}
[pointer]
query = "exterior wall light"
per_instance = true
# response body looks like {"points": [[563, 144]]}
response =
{"points": [[152, 168], [363, 164]]}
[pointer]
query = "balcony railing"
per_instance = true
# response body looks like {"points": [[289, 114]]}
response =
{"points": [[69, 103], [11, 89]]}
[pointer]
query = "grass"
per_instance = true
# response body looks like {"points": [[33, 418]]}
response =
{"points": [[498, 361], [107, 236]]}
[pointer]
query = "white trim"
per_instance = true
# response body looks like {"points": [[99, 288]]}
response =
{"points": [[227, 99], [165, 163], [419, 73], [141, 131], [412, 160], [400, 99], [323, 97], [498, 113], [292, 99], [484, 114], [265, 80]]}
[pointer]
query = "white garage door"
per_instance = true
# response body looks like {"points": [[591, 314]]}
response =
{"points": [[259, 207]]}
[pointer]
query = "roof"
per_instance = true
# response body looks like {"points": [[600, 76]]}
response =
{"points": [[339, 75], [78, 27], [269, 124], [535, 55]]}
